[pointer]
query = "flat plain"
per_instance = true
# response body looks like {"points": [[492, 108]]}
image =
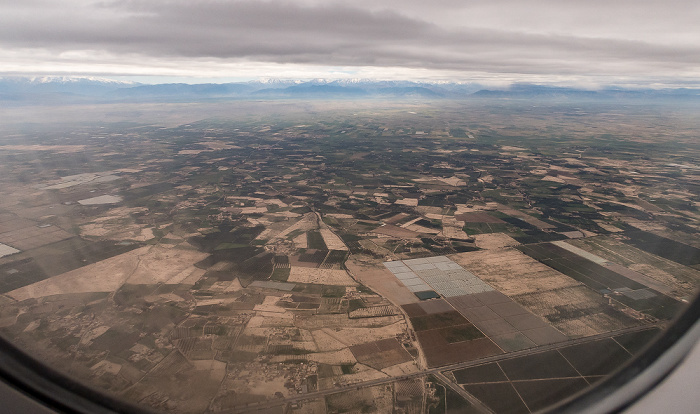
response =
{"points": [[231, 255]]}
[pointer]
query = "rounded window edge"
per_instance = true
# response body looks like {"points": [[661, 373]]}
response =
{"points": [[55, 390]]}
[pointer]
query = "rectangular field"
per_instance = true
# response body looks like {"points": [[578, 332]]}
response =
{"points": [[10, 222], [395, 231], [576, 311], [320, 276], [381, 354], [587, 272], [504, 321], [447, 337], [526, 218], [664, 247], [379, 279], [512, 272], [26, 268], [681, 280], [480, 217], [604, 280], [31, 237], [542, 378], [439, 352], [507, 323], [494, 241], [332, 241], [561, 301]]}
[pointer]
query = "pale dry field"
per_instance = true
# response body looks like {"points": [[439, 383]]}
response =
{"points": [[340, 216], [575, 311], [420, 229], [494, 241], [356, 336], [326, 341], [301, 241], [310, 407], [216, 369], [253, 210], [650, 226], [410, 222], [226, 286], [6, 250], [679, 289], [217, 301], [413, 202], [100, 200], [343, 356], [568, 305], [409, 367], [320, 276], [192, 275], [452, 228], [258, 382], [341, 321], [271, 229], [512, 272], [434, 216], [370, 245], [169, 266], [363, 373], [306, 223], [394, 231], [145, 265], [270, 305], [591, 325], [60, 149], [381, 280], [163, 298], [333, 242], [607, 226], [105, 276]]}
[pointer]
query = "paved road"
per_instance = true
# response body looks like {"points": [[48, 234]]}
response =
{"points": [[264, 405]]}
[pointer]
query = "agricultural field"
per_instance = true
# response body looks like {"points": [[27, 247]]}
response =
{"points": [[494, 241], [320, 276], [446, 336], [230, 255], [531, 383], [681, 280], [512, 272], [604, 280]]}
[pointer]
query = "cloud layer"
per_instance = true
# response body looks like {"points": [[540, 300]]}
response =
{"points": [[594, 39]]}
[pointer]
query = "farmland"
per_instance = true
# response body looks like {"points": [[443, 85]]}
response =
{"points": [[240, 255], [531, 383]]}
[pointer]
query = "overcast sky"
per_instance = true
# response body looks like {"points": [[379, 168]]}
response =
{"points": [[591, 42]]}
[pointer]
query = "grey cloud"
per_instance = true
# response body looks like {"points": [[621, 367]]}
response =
{"points": [[326, 34]]}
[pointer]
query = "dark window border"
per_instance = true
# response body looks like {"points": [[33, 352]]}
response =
{"points": [[55, 390]]}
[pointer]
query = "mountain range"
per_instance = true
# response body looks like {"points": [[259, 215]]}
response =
{"points": [[56, 90]]}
